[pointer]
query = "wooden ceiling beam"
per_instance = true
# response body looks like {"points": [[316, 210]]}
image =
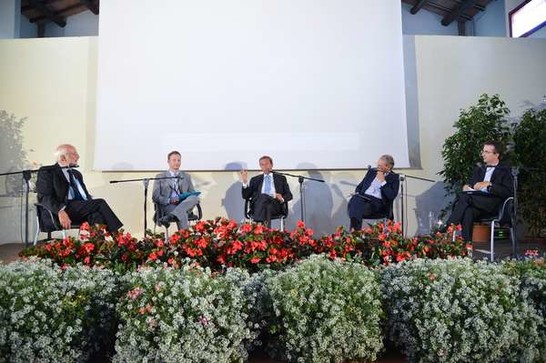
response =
{"points": [[47, 13], [455, 14], [91, 5], [418, 6]]}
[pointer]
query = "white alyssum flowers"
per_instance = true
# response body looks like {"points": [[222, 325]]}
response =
{"points": [[184, 315], [325, 311], [458, 311], [52, 315]]}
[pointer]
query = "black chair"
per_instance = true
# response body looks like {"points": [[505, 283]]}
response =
{"points": [[192, 216], [48, 222], [505, 218], [282, 216]]}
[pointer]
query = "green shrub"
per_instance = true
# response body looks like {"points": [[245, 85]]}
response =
{"points": [[459, 311], [325, 311], [532, 274], [51, 315], [184, 315]]}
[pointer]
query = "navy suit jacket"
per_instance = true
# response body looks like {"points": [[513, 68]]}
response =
{"points": [[254, 188], [389, 191], [52, 187]]}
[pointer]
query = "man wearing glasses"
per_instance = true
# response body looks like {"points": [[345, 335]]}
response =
{"points": [[489, 186]]}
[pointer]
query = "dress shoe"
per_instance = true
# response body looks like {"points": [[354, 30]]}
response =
{"points": [[167, 220]]}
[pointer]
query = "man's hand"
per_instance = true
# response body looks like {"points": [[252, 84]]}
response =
{"points": [[244, 176], [467, 188], [175, 200], [380, 175], [481, 185], [64, 219], [279, 197]]}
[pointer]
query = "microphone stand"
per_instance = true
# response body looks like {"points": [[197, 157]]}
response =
{"points": [[301, 179], [26, 174], [515, 173], [145, 182], [402, 207]]}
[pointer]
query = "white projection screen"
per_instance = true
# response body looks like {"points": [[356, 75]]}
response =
{"points": [[316, 84]]}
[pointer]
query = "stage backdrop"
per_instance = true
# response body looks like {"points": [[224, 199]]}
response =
{"points": [[224, 81]]}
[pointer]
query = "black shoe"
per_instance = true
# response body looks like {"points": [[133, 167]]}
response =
{"points": [[167, 220]]}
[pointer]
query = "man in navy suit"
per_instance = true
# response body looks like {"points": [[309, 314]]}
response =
{"points": [[488, 187], [375, 194], [267, 192], [61, 189]]}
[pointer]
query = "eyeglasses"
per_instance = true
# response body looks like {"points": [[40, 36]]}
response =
{"points": [[487, 152]]}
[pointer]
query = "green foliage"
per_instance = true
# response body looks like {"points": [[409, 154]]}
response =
{"points": [[325, 311], [460, 311], [48, 314], [479, 123], [530, 140], [12, 154], [185, 315]]}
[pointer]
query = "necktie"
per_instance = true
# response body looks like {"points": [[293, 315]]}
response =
{"points": [[267, 187], [75, 190]]}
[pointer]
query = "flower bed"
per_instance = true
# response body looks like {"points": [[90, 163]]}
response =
{"points": [[219, 244], [459, 311], [51, 315], [184, 315], [325, 311]]}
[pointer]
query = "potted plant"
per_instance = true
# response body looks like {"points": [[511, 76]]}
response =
{"points": [[530, 156], [461, 151]]}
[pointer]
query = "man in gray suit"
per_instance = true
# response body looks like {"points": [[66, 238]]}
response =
{"points": [[167, 193]]}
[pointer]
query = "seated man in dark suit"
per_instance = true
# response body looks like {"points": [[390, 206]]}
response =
{"points": [[488, 187], [267, 192], [61, 189], [375, 193]]}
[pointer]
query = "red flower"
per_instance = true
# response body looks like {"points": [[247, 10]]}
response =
{"points": [[255, 260]]}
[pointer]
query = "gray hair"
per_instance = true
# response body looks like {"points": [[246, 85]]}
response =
{"points": [[63, 150], [388, 159]]}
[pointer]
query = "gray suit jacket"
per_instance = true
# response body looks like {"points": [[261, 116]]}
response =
{"points": [[163, 187]]}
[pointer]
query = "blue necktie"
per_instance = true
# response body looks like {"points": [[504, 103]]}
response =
{"points": [[267, 187], [73, 183]]}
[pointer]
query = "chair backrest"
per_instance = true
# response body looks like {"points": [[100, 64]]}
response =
{"points": [[47, 220], [249, 212], [506, 212]]}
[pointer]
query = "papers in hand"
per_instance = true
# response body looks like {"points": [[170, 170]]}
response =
{"points": [[184, 195]]}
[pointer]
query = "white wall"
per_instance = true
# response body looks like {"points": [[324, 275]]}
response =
{"points": [[82, 24], [9, 19], [491, 22], [444, 74]]}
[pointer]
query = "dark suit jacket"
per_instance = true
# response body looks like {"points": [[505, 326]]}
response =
{"points": [[254, 188], [388, 192], [52, 187], [501, 180]]}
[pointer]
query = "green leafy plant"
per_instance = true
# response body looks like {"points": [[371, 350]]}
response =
{"points": [[325, 311], [530, 150], [458, 310], [461, 151], [50, 314], [184, 315]]}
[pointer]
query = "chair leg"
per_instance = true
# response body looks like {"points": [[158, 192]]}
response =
{"points": [[513, 239], [282, 224], [37, 231], [492, 241]]}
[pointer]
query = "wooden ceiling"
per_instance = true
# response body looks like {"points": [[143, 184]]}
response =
{"points": [[56, 11]]}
